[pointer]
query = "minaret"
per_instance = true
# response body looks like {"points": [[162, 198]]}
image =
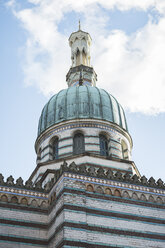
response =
{"points": [[80, 43]]}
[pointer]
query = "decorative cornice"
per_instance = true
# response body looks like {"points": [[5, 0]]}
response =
{"points": [[98, 173], [83, 123], [92, 173], [20, 188]]}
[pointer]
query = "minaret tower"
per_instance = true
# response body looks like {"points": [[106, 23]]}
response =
{"points": [[85, 190], [80, 43], [82, 124]]}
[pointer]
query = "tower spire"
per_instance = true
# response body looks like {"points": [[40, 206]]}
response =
{"points": [[79, 25], [80, 43]]}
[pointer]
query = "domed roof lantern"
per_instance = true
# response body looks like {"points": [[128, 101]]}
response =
{"points": [[80, 43], [85, 102]]}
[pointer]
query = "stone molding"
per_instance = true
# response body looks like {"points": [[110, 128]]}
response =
{"points": [[106, 174], [92, 171], [98, 178]]}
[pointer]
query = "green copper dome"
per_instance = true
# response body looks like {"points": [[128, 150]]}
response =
{"points": [[82, 102]]}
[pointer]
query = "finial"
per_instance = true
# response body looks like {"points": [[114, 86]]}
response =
{"points": [[79, 25]]}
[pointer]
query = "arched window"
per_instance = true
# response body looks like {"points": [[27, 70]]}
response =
{"points": [[24, 201], [78, 62], [55, 148], [78, 143], [90, 188], [117, 192], [14, 199], [103, 145], [108, 191]]}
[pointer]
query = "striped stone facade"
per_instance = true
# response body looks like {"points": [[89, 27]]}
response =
{"points": [[82, 207], [91, 130], [85, 191]]}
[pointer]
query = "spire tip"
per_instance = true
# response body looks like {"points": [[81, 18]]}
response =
{"points": [[79, 25]]}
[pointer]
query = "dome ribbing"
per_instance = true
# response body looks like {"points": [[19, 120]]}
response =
{"points": [[82, 102]]}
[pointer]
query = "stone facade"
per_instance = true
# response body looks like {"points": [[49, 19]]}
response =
{"points": [[91, 131], [83, 207], [85, 191]]}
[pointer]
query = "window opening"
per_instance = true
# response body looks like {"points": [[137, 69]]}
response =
{"points": [[103, 145], [78, 144], [55, 148]]}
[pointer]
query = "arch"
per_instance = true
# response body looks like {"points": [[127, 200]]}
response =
{"points": [[4, 198], [124, 150], [77, 57], [84, 57], [78, 143], [24, 201], [54, 143], [103, 145], [14, 200], [43, 204], [134, 196], [99, 190], [34, 203], [125, 194], [108, 191], [117, 193], [90, 188], [143, 197], [159, 200]]}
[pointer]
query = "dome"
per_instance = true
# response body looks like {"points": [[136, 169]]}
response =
{"points": [[82, 102]]}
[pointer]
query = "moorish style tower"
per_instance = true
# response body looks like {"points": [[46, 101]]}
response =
{"points": [[83, 123], [85, 190]]}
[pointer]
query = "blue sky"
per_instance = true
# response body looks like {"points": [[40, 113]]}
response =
{"points": [[127, 54]]}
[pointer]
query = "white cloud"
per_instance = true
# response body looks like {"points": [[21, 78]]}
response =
{"points": [[131, 67], [135, 68]]}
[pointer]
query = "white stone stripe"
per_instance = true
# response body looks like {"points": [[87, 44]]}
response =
{"points": [[23, 232], [126, 208], [106, 238], [113, 222], [118, 207], [23, 216]]}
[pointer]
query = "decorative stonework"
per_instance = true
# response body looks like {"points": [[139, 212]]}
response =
{"points": [[119, 179], [107, 182], [65, 134], [97, 180], [89, 76], [19, 187], [98, 174], [83, 124], [80, 42]]}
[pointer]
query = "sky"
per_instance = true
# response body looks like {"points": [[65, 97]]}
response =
{"points": [[127, 53]]}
